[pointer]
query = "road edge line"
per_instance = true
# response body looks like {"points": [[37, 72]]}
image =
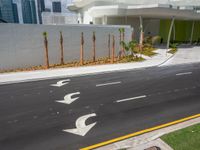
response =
{"points": [[140, 132]]}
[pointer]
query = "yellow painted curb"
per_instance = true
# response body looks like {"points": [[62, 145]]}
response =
{"points": [[139, 133]]}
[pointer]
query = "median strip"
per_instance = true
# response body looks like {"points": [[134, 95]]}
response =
{"points": [[129, 99], [105, 84]]}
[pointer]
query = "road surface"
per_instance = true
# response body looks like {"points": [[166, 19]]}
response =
{"points": [[76, 112]]}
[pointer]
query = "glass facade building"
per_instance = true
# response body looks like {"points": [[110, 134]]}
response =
{"points": [[56, 7], [29, 12], [0, 14], [7, 10], [15, 13], [41, 8]]}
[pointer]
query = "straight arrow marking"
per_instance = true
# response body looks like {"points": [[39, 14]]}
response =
{"points": [[81, 128], [68, 98]]}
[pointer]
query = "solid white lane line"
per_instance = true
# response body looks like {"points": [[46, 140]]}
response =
{"points": [[111, 83], [184, 73], [133, 98]]}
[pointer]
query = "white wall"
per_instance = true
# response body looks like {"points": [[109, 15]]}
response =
{"points": [[21, 46]]}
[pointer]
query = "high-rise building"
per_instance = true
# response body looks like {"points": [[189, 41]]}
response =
{"points": [[41, 8], [29, 11], [0, 14], [7, 10], [47, 10], [56, 6], [15, 13]]}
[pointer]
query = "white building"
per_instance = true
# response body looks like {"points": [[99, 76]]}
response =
{"points": [[153, 17], [50, 18]]}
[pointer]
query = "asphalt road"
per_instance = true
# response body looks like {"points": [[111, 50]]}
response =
{"points": [[123, 102]]}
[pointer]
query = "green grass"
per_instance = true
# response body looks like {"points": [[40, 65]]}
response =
{"points": [[185, 139]]}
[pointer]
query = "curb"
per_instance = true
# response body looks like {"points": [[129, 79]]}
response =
{"points": [[140, 133], [83, 74], [78, 75], [167, 60]]}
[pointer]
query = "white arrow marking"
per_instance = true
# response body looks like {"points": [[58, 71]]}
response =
{"points": [[61, 83], [68, 98], [81, 128]]}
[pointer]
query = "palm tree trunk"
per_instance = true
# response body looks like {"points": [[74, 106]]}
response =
{"points": [[113, 50], [141, 43], [61, 49], [94, 47], [123, 39], [132, 36], [46, 50], [109, 46], [120, 40], [82, 49]]}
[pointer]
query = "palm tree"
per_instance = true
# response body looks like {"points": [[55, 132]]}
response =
{"points": [[122, 38], [46, 49], [82, 49], [129, 47], [61, 49], [113, 50], [94, 46], [132, 36], [109, 46]]}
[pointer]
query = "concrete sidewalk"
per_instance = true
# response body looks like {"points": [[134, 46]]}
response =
{"points": [[185, 55], [6, 78], [150, 139]]}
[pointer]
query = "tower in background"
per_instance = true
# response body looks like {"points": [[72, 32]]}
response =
{"points": [[40, 8], [0, 14], [15, 13], [56, 5], [7, 11], [29, 12]]}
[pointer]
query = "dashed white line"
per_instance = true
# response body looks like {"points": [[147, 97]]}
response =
{"points": [[184, 73], [110, 83], [133, 98]]}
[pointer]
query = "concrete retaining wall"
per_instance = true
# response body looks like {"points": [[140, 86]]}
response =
{"points": [[21, 46]]}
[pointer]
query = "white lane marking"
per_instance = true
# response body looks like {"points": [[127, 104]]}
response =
{"points": [[61, 83], [68, 98], [133, 98], [184, 73], [81, 128], [111, 83]]}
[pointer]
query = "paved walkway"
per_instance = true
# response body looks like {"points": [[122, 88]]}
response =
{"points": [[186, 54], [6, 78], [150, 139]]}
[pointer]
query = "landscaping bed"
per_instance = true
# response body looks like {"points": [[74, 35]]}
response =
{"points": [[101, 61]]}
